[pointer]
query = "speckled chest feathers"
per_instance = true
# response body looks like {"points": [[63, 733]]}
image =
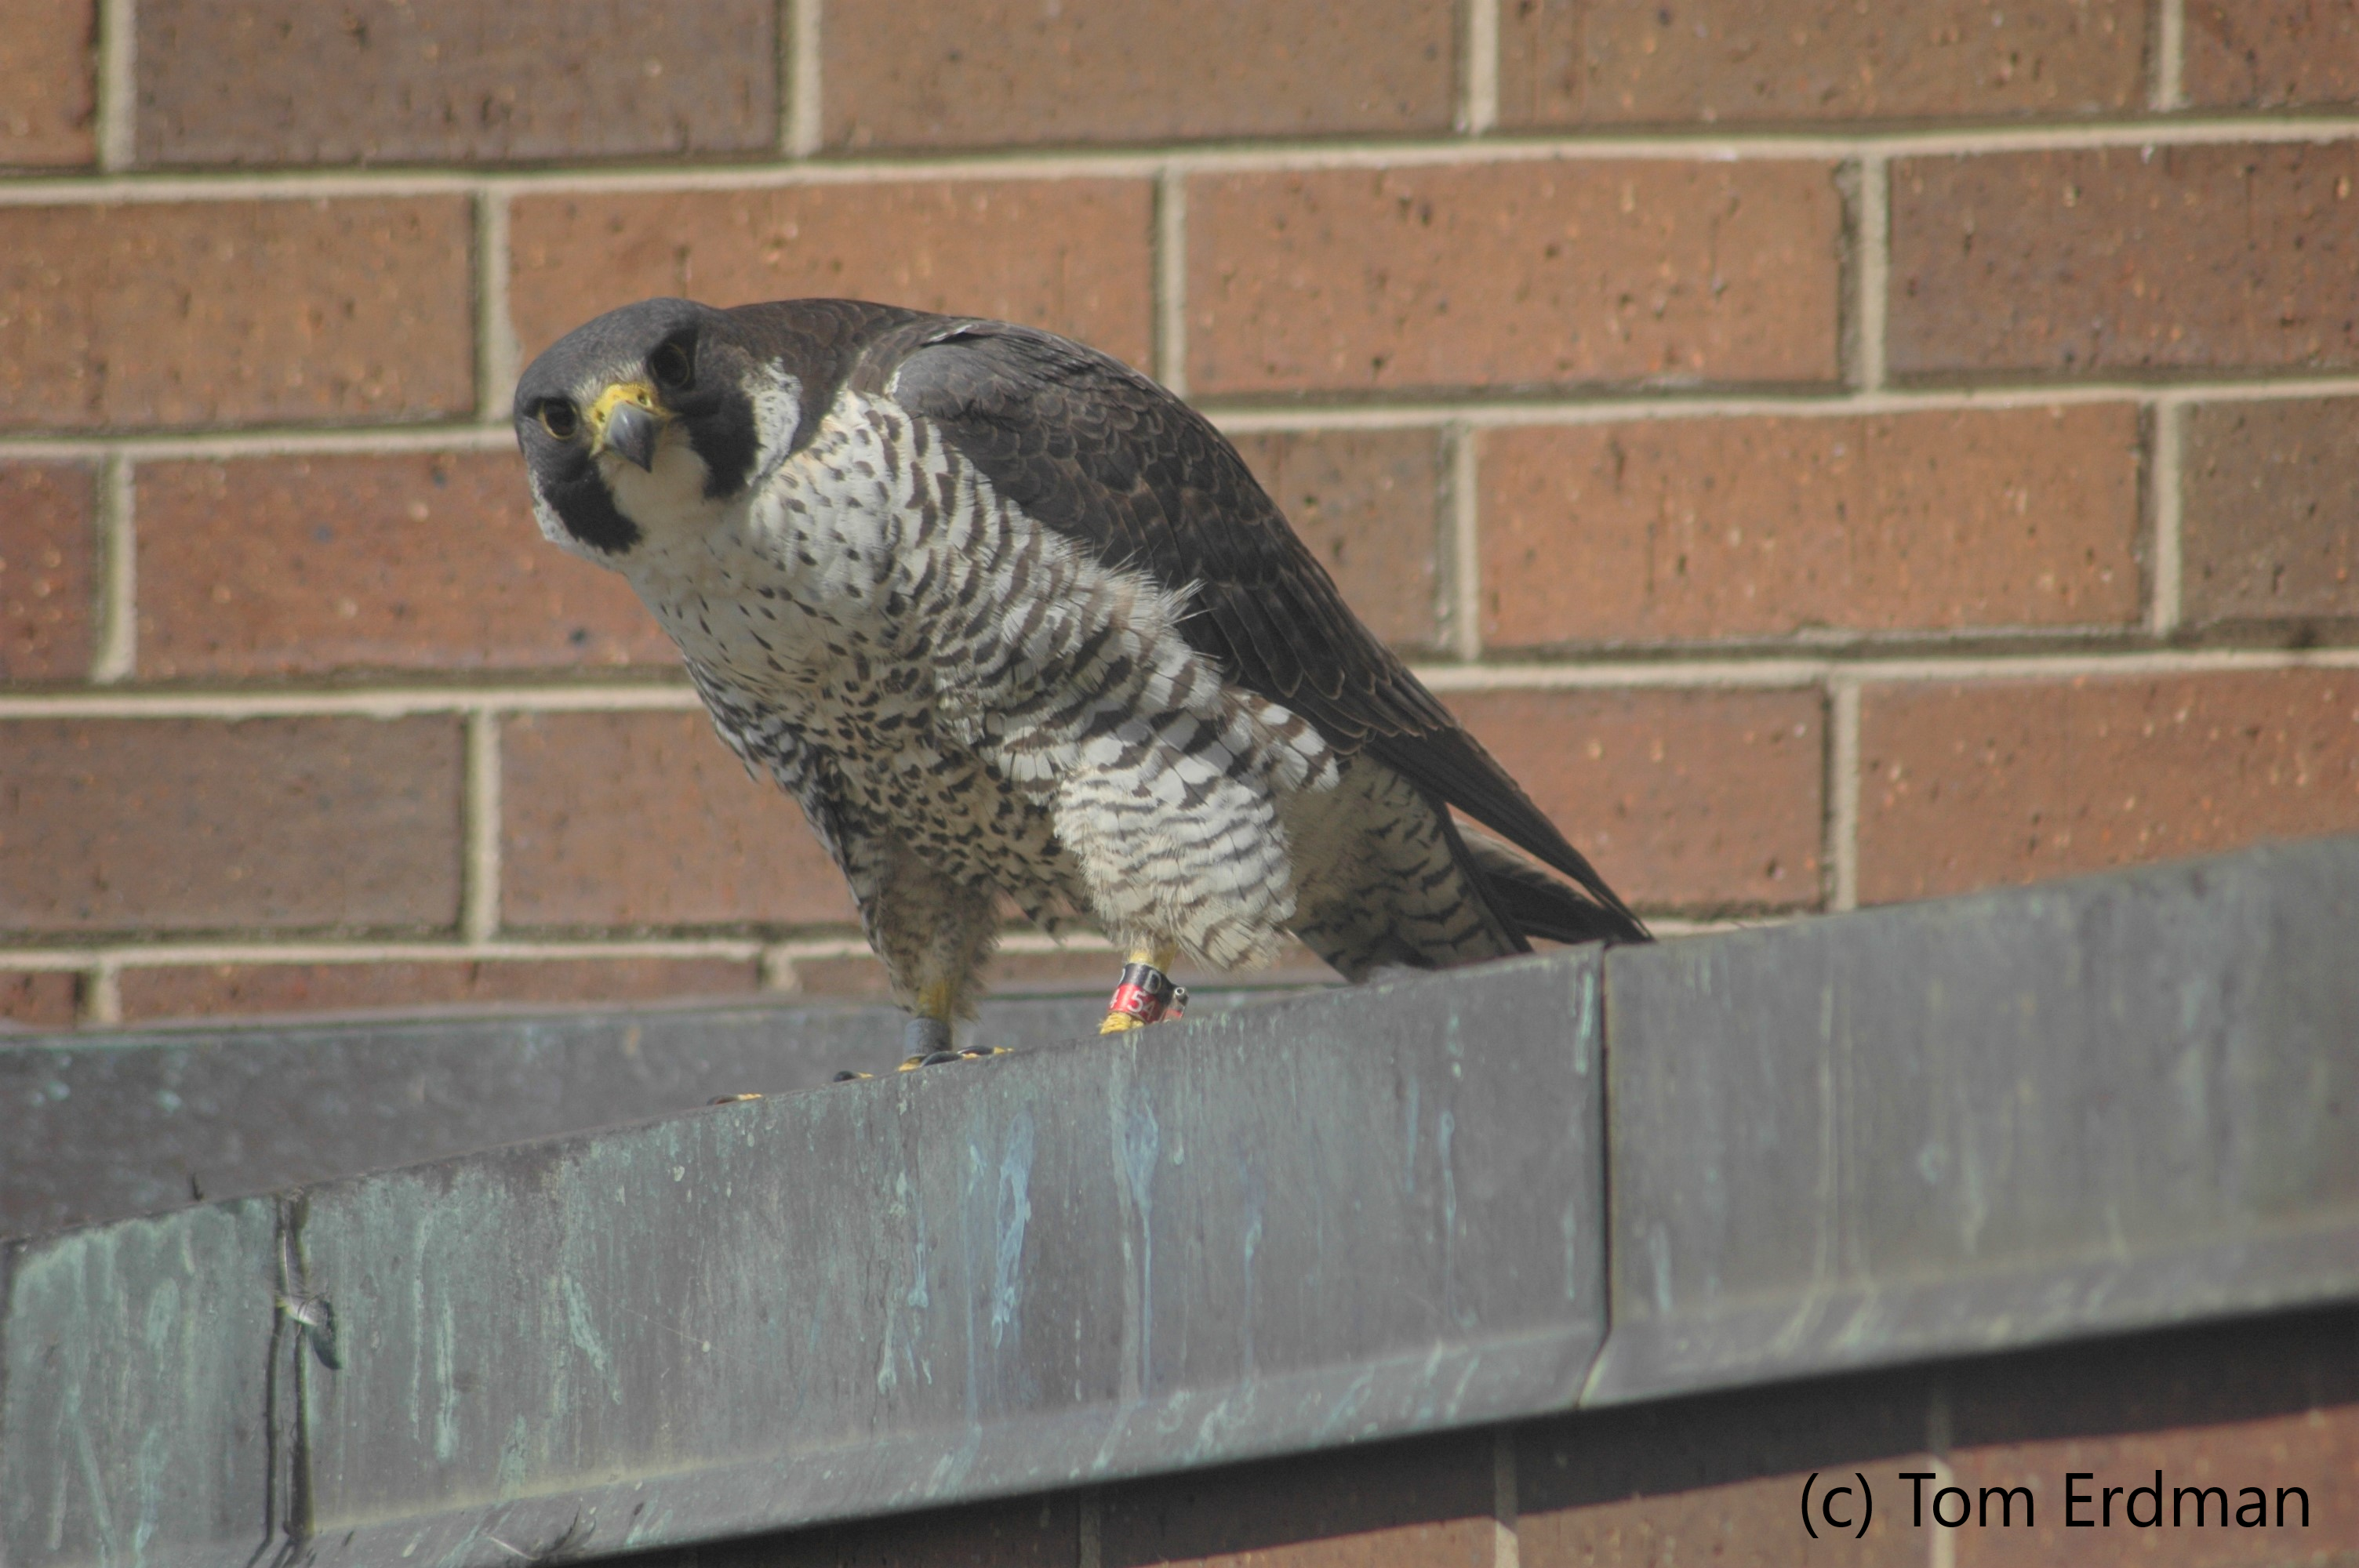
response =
{"points": [[1008, 619], [969, 686]]}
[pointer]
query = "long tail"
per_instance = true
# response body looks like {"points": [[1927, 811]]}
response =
{"points": [[1534, 903]]}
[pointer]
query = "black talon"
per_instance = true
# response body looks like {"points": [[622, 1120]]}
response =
{"points": [[851, 1076]]}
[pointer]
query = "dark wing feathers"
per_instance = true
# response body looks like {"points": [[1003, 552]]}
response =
{"points": [[1090, 448]]}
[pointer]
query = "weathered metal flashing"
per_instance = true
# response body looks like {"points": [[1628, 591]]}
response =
{"points": [[139, 1121], [1902, 1135], [2101, 1105], [1311, 1222]]}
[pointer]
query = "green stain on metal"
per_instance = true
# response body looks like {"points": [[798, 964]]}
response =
{"points": [[581, 1328], [1584, 1021]]}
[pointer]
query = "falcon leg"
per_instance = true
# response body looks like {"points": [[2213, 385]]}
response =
{"points": [[1145, 994], [926, 1036]]}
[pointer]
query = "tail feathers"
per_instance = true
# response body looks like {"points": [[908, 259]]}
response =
{"points": [[1535, 903]]}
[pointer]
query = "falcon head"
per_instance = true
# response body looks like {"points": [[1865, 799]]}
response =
{"points": [[647, 421]]}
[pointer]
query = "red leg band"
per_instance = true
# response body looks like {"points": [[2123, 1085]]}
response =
{"points": [[1147, 995]]}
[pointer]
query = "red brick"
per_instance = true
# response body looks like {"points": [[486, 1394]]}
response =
{"points": [[1093, 974], [294, 565], [2271, 54], [1408, 1505], [1074, 974], [1719, 1479], [184, 825], [2123, 259], [337, 310], [1975, 783], [2270, 1401], [1688, 800], [2271, 522], [49, 102], [996, 72], [856, 977], [48, 541], [1522, 273], [2316, 1450], [1670, 530], [281, 82], [1746, 1524], [39, 998], [211, 990], [1068, 255], [646, 819], [1750, 1524], [1032, 1532], [860, 976], [1080, 974], [1368, 502], [1605, 62]]}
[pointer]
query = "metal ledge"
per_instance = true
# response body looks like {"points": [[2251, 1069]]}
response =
{"points": [[1911, 1133], [2100, 1105], [1300, 1224], [136, 1121]]}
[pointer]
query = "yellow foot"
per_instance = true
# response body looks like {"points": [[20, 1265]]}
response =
{"points": [[1120, 1024], [730, 1099]]}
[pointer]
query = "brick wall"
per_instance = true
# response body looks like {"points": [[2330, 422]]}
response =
{"points": [[1833, 454]]}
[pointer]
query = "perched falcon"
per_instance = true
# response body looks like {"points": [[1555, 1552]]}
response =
{"points": [[1007, 618]]}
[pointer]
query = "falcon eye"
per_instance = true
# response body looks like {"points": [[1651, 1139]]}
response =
{"points": [[671, 366], [558, 417]]}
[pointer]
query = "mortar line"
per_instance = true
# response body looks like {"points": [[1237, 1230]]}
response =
{"points": [[1478, 68], [1506, 1550], [1942, 1545], [1705, 144], [101, 1002], [1620, 406], [1089, 1529], [1466, 557], [1895, 669], [2169, 88], [117, 84], [778, 970], [2164, 474], [782, 77], [391, 702], [1684, 669], [1171, 281], [268, 442], [1481, 413], [1843, 791], [263, 950], [1871, 275], [115, 650], [170, 955], [805, 127], [496, 351], [479, 916]]}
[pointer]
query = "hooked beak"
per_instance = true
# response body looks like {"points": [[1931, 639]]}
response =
{"points": [[624, 421]]}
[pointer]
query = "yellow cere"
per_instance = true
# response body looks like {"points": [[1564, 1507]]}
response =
{"points": [[637, 392]]}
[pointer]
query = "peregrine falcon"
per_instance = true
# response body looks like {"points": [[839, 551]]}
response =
{"points": [[1008, 619]]}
